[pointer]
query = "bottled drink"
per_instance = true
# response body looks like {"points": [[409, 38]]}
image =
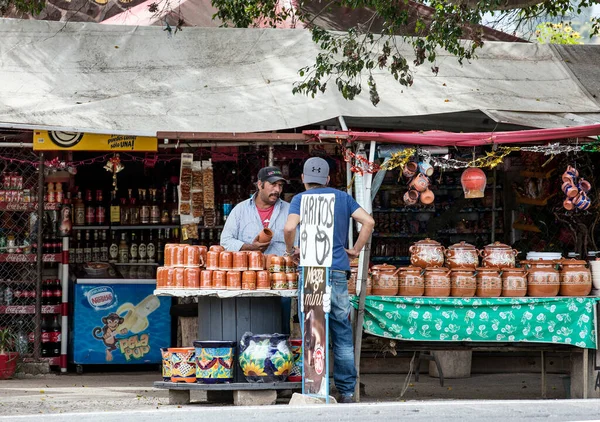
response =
{"points": [[90, 209], [113, 249], [79, 211], [151, 248], [46, 292], [175, 238], [125, 212], [133, 249], [160, 248], [45, 328], [87, 248], [104, 247], [78, 248], [115, 209], [21, 341], [54, 337], [96, 247], [174, 206], [165, 217], [100, 209], [123, 249], [144, 208], [134, 210], [17, 293], [142, 249], [57, 292], [154, 208]]}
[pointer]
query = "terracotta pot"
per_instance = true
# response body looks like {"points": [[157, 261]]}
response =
{"points": [[584, 185], [462, 255], [292, 280], [278, 281], [437, 282], [420, 182], [206, 279], [385, 280], [462, 282], [219, 280], [178, 255], [410, 169], [489, 282], [575, 278], [498, 255], [276, 264], [216, 248], [169, 254], [240, 261], [263, 281], [427, 197], [289, 265], [473, 182], [212, 260], [256, 261], [568, 204], [170, 277], [202, 250], [582, 201], [427, 253], [226, 261], [514, 282], [191, 278], [265, 235], [411, 197], [234, 280], [191, 256], [178, 278], [543, 279], [369, 289], [161, 277], [249, 280], [411, 281]]}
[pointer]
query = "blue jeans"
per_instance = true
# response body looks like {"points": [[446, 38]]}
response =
{"points": [[340, 329]]}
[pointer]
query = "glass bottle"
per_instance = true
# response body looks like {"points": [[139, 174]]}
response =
{"points": [[90, 209], [103, 247], [79, 210], [134, 211], [100, 209], [113, 249], [151, 248], [165, 217], [123, 249], [144, 208], [174, 206], [96, 247], [78, 248], [160, 247], [115, 209], [142, 249], [87, 248], [133, 249]]}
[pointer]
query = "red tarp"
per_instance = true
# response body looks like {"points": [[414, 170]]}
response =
{"points": [[440, 138]]}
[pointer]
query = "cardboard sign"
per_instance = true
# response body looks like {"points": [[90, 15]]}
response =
{"points": [[44, 140], [317, 213], [315, 332]]}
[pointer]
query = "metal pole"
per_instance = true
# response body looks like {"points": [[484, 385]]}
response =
{"points": [[364, 258], [271, 154], [494, 214], [348, 184], [39, 261]]}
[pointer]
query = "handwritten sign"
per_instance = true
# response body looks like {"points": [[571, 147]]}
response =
{"points": [[44, 140], [317, 214], [315, 332]]}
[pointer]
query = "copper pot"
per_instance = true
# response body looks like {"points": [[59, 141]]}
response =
{"points": [[489, 282], [249, 280], [385, 280], [462, 282], [240, 261], [462, 255], [514, 282], [543, 279], [575, 278], [498, 255], [263, 281], [278, 281], [427, 253], [256, 261], [437, 282], [226, 261], [411, 281]]}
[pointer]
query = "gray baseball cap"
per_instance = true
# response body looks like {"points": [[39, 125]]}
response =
{"points": [[316, 170]]}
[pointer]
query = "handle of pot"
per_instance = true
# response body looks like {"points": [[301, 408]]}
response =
{"points": [[422, 272], [411, 249], [515, 252], [475, 273], [396, 272], [448, 253], [482, 253]]}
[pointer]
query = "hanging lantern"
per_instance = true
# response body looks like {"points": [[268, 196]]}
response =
{"points": [[473, 182]]}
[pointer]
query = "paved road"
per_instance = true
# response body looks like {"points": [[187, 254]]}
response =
{"points": [[464, 411]]}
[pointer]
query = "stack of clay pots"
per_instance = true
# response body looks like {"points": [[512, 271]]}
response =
{"points": [[182, 268], [417, 176]]}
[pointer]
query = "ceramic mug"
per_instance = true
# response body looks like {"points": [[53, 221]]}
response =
{"points": [[568, 204], [420, 182], [582, 201], [410, 169], [584, 185], [427, 197], [411, 197], [426, 168], [569, 189]]}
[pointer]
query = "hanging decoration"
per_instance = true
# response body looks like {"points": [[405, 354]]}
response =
{"points": [[114, 165], [473, 182], [399, 159], [362, 166], [576, 190]]}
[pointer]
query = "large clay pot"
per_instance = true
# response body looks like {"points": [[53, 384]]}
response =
{"points": [[462, 282], [543, 279], [498, 255], [385, 280], [514, 282], [473, 182], [214, 361], [437, 282], [489, 282], [265, 357], [411, 281], [183, 364], [462, 255], [427, 253], [575, 278]]}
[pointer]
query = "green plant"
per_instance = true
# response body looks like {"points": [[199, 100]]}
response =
{"points": [[6, 340]]}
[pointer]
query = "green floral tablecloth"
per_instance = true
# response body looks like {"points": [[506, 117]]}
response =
{"points": [[562, 320]]}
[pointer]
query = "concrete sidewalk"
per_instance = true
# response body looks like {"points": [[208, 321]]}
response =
{"points": [[131, 391]]}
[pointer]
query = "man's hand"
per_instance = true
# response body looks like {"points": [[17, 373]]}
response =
{"points": [[258, 246], [352, 253]]}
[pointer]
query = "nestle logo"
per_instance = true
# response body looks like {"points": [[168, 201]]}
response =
{"points": [[101, 297]]}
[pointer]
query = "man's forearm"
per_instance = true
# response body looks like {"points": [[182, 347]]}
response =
{"points": [[363, 236], [289, 236]]}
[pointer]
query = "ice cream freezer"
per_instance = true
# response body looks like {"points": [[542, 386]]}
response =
{"points": [[117, 321]]}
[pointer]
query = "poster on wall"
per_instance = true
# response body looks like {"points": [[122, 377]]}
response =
{"points": [[316, 230], [53, 140]]}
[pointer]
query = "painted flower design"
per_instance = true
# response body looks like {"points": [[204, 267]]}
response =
{"points": [[427, 316], [284, 369], [252, 369], [484, 316]]}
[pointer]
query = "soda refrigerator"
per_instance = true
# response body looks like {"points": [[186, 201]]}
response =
{"points": [[118, 321]]}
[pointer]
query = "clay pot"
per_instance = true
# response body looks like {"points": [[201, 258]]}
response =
{"points": [[514, 282], [584, 185], [369, 289], [191, 256], [202, 250], [226, 261], [568, 204], [169, 277], [249, 280], [410, 169], [385, 280], [278, 281], [256, 261], [216, 248], [543, 279], [292, 280], [569, 189], [234, 280], [582, 201], [206, 279], [427, 197], [276, 264], [161, 277], [462, 282], [265, 235], [427, 253], [489, 282], [473, 182], [219, 280], [420, 182], [288, 264], [437, 282], [191, 278], [263, 281], [498, 255], [240, 261], [462, 255], [411, 281], [575, 278], [178, 255], [411, 197], [178, 278], [169, 254], [212, 260]]}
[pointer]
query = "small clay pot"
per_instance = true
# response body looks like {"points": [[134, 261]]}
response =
{"points": [[437, 282], [411, 281], [289, 266], [191, 256], [169, 254], [411, 197], [584, 185], [570, 190], [202, 250], [256, 261], [161, 277], [278, 281], [206, 279], [212, 260], [463, 283], [191, 278], [514, 282], [178, 278], [265, 235], [489, 282], [226, 261], [240, 261], [263, 281], [249, 280], [427, 197], [276, 264], [292, 280], [420, 182], [575, 278], [216, 248], [410, 169], [568, 204], [219, 280], [169, 277], [179, 255], [234, 280]]}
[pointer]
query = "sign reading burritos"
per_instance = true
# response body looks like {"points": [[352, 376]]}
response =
{"points": [[44, 140], [316, 230]]}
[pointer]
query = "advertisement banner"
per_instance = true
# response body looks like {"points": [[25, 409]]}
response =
{"points": [[44, 140], [119, 323], [317, 212], [316, 303]]}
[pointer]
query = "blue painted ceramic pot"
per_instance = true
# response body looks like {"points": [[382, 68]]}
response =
{"points": [[265, 357], [214, 361]]}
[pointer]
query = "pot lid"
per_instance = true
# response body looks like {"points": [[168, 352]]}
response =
{"points": [[411, 268], [462, 245], [489, 269], [383, 267], [510, 269], [572, 261], [467, 270], [427, 242], [497, 245], [437, 269]]}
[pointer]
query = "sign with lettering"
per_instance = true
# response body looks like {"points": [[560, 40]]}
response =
{"points": [[317, 213], [316, 303], [44, 140]]}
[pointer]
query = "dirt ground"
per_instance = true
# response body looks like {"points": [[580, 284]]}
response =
{"points": [[53, 393]]}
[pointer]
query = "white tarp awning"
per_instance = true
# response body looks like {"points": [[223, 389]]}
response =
{"points": [[139, 80]]}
